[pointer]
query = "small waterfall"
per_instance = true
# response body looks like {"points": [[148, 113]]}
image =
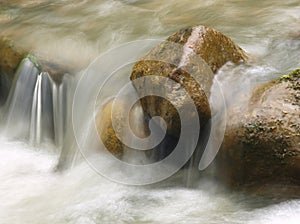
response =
{"points": [[36, 110], [64, 135], [60, 108], [41, 127], [19, 102], [36, 107]]}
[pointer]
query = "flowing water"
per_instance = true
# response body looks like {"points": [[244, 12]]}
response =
{"points": [[36, 128]]}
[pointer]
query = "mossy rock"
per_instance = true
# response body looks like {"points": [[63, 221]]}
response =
{"points": [[262, 141], [210, 51], [10, 56]]}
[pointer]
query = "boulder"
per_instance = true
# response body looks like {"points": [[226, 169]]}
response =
{"points": [[262, 140], [107, 132], [214, 47], [10, 56], [200, 51]]}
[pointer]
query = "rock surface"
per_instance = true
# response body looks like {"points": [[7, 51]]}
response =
{"points": [[262, 142], [195, 50], [214, 47], [106, 131], [10, 56]]}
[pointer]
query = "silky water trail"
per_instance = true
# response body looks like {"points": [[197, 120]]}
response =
{"points": [[45, 179], [43, 176]]}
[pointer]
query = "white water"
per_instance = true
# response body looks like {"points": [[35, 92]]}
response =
{"points": [[17, 114], [36, 107], [30, 192], [74, 33], [36, 110]]}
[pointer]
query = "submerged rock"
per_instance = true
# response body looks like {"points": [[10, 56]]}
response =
{"points": [[262, 142], [196, 50]]}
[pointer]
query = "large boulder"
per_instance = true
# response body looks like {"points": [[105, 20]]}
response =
{"points": [[200, 51], [262, 142]]}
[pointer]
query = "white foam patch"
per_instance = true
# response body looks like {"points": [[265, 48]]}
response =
{"points": [[30, 192]]}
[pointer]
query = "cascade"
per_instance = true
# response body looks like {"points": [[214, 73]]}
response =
{"points": [[19, 103], [36, 106]]}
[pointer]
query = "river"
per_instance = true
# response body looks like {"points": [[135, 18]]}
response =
{"points": [[75, 32]]}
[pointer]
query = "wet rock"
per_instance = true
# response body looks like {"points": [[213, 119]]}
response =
{"points": [[279, 192], [196, 50], [214, 47], [56, 71], [10, 56], [262, 142], [106, 131]]}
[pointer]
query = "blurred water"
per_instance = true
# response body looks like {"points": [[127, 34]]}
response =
{"points": [[74, 32], [30, 192]]}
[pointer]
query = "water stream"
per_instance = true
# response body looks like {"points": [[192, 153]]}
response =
{"points": [[37, 139]]}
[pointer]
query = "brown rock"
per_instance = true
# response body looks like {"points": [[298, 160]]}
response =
{"points": [[176, 59], [106, 131], [10, 56], [214, 47], [262, 142]]}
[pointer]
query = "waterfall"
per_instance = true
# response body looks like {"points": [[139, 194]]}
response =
{"points": [[41, 127], [60, 107], [38, 110], [35, 127], [19, 102], [36, 106]]}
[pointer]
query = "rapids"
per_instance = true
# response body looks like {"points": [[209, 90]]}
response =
{"points": [[43, 177]]}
